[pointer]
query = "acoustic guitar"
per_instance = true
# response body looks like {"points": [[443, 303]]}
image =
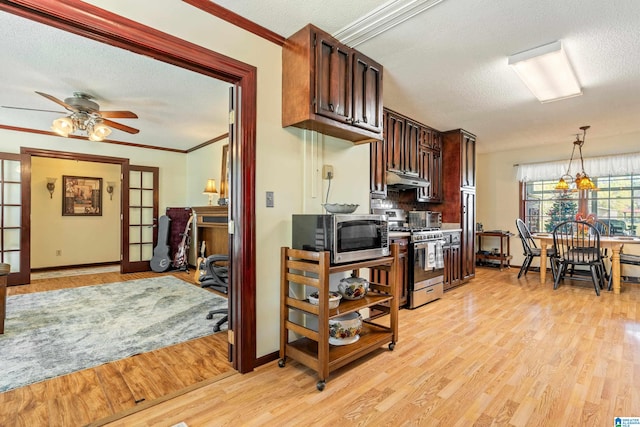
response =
{"points": [[161, 260], [180, 258], [200, 263]]}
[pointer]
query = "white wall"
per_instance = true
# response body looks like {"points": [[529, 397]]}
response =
{"points": [[201, 165], [79, 239], [498, 189]]}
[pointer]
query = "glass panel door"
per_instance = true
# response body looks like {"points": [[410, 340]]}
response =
{"points": [[140, 221]]}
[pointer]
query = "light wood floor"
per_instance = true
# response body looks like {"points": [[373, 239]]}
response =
{"points": [[93, 394], [497, 351]]}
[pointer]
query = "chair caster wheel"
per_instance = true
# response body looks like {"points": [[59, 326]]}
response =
{"points": [[392, 345], [320, 385], [209, 316], [281, 363]]}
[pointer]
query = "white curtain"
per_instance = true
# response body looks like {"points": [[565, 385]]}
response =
{"points": [[619, 164]]}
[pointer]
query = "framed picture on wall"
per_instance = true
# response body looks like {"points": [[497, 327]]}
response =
{"points": [[82, 196]]}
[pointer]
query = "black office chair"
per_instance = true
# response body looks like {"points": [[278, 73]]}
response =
{"points": [[531, 250], [624, 259], [578, 243], [216, 276]]}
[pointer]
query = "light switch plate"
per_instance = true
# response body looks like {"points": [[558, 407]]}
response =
{"points": [[270, 202]]}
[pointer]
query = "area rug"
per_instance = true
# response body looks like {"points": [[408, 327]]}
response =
{"points": [[48, 334]]}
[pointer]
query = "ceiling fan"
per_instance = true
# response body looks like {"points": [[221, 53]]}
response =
{"points": [[85, 116]]}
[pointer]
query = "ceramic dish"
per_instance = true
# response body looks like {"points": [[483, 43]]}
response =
{"points": [[334, 299], [345, 329], [340, 208]]}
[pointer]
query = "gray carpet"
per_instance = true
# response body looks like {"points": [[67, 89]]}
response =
{"points": [[48, 334]]}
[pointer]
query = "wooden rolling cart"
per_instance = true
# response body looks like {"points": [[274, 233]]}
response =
{"points": [[312, 269], [502, 257]]}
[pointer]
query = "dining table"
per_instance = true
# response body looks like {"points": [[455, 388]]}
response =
{"points": [[613, 243]]}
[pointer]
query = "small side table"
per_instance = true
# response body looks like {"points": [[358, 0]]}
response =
{"points": [[503, 258]]}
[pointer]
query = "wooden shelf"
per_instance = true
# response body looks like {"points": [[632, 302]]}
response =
{"points": [[371, 337], [312, 269]]}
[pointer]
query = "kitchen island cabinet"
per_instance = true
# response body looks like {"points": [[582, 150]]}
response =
{"points": [[300, 270], [330, 88]]}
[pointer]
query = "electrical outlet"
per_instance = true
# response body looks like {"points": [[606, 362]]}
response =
{"points": [[327, 172]]}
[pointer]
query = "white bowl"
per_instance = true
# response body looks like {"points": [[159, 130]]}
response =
{"points": [[340, 208], [345, 329], [334, 299]]}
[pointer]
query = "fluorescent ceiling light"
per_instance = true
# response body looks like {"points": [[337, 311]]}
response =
{"points": [[381, 19], [547, 72]]}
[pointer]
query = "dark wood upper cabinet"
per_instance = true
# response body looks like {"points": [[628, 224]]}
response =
{"points": [[394, 139], [411, 142], [333, 78], [367, 93], [430, 165], [330, 88]]}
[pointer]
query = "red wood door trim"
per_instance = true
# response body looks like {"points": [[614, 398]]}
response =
{"points": [[89, 21]]}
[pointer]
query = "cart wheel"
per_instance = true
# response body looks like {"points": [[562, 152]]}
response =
{"points": [[320, 385], [281, 363], [392, 345]]}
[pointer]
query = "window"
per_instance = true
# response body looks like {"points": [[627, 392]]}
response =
{"points": [[616, 203]]}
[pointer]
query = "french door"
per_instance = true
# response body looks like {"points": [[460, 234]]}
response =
{"points": [[139, 217]]}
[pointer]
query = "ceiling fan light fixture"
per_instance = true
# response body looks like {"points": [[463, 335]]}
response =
{"points": [[99, 131], [63, 126]]}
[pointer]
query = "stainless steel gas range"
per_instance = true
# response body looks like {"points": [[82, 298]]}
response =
{"points": [[425, 258]]}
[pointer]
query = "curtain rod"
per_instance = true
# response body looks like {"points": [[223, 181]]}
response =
{"points": [[586, 158]]}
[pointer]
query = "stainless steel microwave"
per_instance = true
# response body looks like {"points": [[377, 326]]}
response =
{"points": [[348, 238]]}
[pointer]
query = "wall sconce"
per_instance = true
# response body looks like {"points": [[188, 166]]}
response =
{"points": [[51, 185], [210, 190], [110, 187]]}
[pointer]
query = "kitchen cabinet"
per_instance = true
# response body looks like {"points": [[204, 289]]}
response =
{"points": [[300, 270], [330, 88], [459, 196], [394, 125], [409, 147], [452, 253], [430, 165], [382, 276], [378, 162]]}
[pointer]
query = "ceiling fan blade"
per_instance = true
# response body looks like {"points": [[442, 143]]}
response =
{"points": [[118, 114], [34, 109], [120, 126], [57, 101]]}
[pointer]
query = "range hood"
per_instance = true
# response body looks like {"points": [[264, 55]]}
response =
{"points": [[403, 181]]}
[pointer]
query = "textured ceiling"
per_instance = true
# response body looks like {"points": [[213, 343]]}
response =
{"points": [[446, 67], [177, 108]]}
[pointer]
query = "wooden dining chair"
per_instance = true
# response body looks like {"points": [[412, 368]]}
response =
{"points": [[627, 259], [531, 250], [578, 243]]}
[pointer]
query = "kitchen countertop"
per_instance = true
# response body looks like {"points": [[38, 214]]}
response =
{"points": [[452, 230], [397, 234]]}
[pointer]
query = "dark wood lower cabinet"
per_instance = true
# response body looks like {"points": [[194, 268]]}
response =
{"points": [[382, 277], [452, 262]]}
